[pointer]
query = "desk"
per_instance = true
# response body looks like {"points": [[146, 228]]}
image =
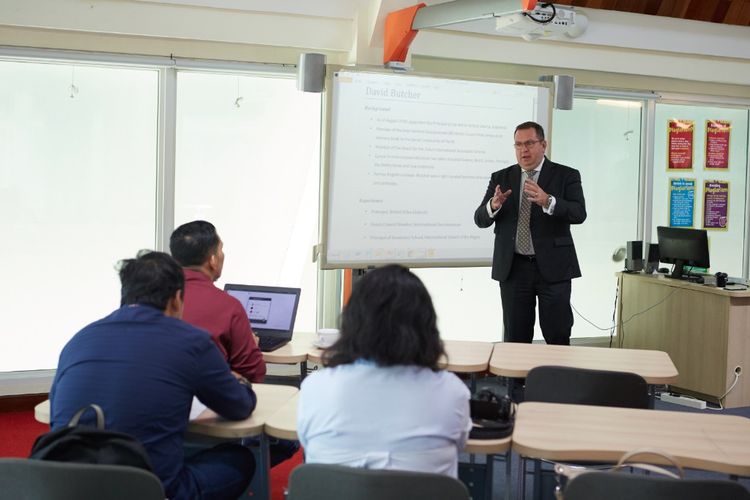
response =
{"points": [[515, 360], [719, 443], [283, 425], [270, 399], [463, 356], [704, 330], [292, 353], [41, 412]]}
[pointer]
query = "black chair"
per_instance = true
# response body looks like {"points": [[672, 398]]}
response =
{"points": [[26, 479], [619, 486], [326, 482], [562, 384]]}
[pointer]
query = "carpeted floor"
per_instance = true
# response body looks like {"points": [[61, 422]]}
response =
{"points": [[18, 430]]}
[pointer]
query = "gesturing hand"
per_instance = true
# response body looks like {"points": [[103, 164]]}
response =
{"points": [[534, 193], [499, 197]]}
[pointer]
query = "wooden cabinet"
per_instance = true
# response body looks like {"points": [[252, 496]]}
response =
{"points": [[704, 329]]}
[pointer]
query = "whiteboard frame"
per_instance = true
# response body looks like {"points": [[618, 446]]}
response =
{"points": [[325, 149]]}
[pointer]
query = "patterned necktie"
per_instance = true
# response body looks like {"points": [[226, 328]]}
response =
{"points": [[523, 233]]}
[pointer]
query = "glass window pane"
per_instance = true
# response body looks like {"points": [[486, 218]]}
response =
{"points": [[602, 139], [248, 161], [78, 149]]}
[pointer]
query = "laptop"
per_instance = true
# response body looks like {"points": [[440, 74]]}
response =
{"points": [[271, 311]]}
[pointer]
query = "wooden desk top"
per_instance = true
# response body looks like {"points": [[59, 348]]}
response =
{"points": [[283, 425], [686, 285], [515, 360], [466, 357], [41, 412], [294, 352], [270, 399], [463, 356], [719, 443]]}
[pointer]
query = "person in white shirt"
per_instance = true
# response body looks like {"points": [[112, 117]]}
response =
{"points": [[382, 402]]}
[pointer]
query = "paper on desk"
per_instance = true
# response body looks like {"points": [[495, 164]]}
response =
{"points": [[196, 408]]}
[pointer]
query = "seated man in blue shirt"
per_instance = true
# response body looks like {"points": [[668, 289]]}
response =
{"points": [[143, 365]]}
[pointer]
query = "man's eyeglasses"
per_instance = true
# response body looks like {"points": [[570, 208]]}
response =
{"points": [[524, 145]]}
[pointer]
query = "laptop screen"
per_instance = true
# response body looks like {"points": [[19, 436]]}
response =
{"points": [[269, 309]]}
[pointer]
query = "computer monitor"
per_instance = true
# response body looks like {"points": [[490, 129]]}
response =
{"points": [[683, 247]]}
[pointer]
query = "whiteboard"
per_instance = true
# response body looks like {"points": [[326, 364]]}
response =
{"points": [[409, 160]]}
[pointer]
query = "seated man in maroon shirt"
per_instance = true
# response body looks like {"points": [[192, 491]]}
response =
{"points": [[199, 250]]}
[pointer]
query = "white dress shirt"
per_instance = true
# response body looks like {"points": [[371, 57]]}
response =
{"points": [[548, 210], [401, 417]]}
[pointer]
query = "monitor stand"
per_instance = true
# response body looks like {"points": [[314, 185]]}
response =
{"points": [[678, 271]]}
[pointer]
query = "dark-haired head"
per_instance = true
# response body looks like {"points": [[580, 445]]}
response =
{"points": [[152, 278], [527, 125], [389, 320], [193, 243]]}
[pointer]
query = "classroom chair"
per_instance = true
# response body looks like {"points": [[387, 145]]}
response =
{"points": [[324, 482], [619, 486], [562, 384], [26, 479]]}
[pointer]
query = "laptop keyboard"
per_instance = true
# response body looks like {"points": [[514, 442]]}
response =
{"points": [[268, 344]]}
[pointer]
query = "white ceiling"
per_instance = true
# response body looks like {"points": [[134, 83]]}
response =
{"points": [[342, 9]]}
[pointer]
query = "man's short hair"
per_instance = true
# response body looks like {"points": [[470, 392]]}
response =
{"points": [[538, 128], [152, 278], [192, 243]]}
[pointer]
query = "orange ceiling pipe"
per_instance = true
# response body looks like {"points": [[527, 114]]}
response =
{"points": [[398, 33]]}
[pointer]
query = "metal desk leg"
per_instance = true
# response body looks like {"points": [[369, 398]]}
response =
{"points": [[264, 469], [488, 475], [507, 474], [473, 383], [651, 396], [302, 371], [521, 478]]}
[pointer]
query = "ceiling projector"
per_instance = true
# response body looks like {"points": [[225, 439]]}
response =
{"points": [[545, 21]]}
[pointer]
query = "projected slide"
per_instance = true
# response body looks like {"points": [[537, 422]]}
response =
{"points": [[410, 158]]}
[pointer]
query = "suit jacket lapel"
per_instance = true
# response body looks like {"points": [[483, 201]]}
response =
{"points": [[547, 173], [515, 185]]}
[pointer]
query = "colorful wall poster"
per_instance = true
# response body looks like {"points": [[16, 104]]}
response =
{"points": [[717, 144], [680, 144], [681, 202], [715, 204]]}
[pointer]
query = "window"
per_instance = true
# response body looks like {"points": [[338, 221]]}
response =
{"points": [[78, 149], [247, 160], [602, 139]]}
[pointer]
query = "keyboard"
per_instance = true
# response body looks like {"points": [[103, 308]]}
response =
{"points": [[268, 344]]}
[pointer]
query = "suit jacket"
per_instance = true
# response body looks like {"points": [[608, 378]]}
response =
{"points": [[550, 234]]}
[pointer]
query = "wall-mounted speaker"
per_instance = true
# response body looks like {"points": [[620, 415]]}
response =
{"points": [[564, 87], [652, 257], [634, 259], [311, 72]]}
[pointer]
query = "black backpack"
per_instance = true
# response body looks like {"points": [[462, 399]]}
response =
{"points": [[90, 445]]}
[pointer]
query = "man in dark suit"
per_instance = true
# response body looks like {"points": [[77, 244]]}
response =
{"points": [[532, 205]]}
